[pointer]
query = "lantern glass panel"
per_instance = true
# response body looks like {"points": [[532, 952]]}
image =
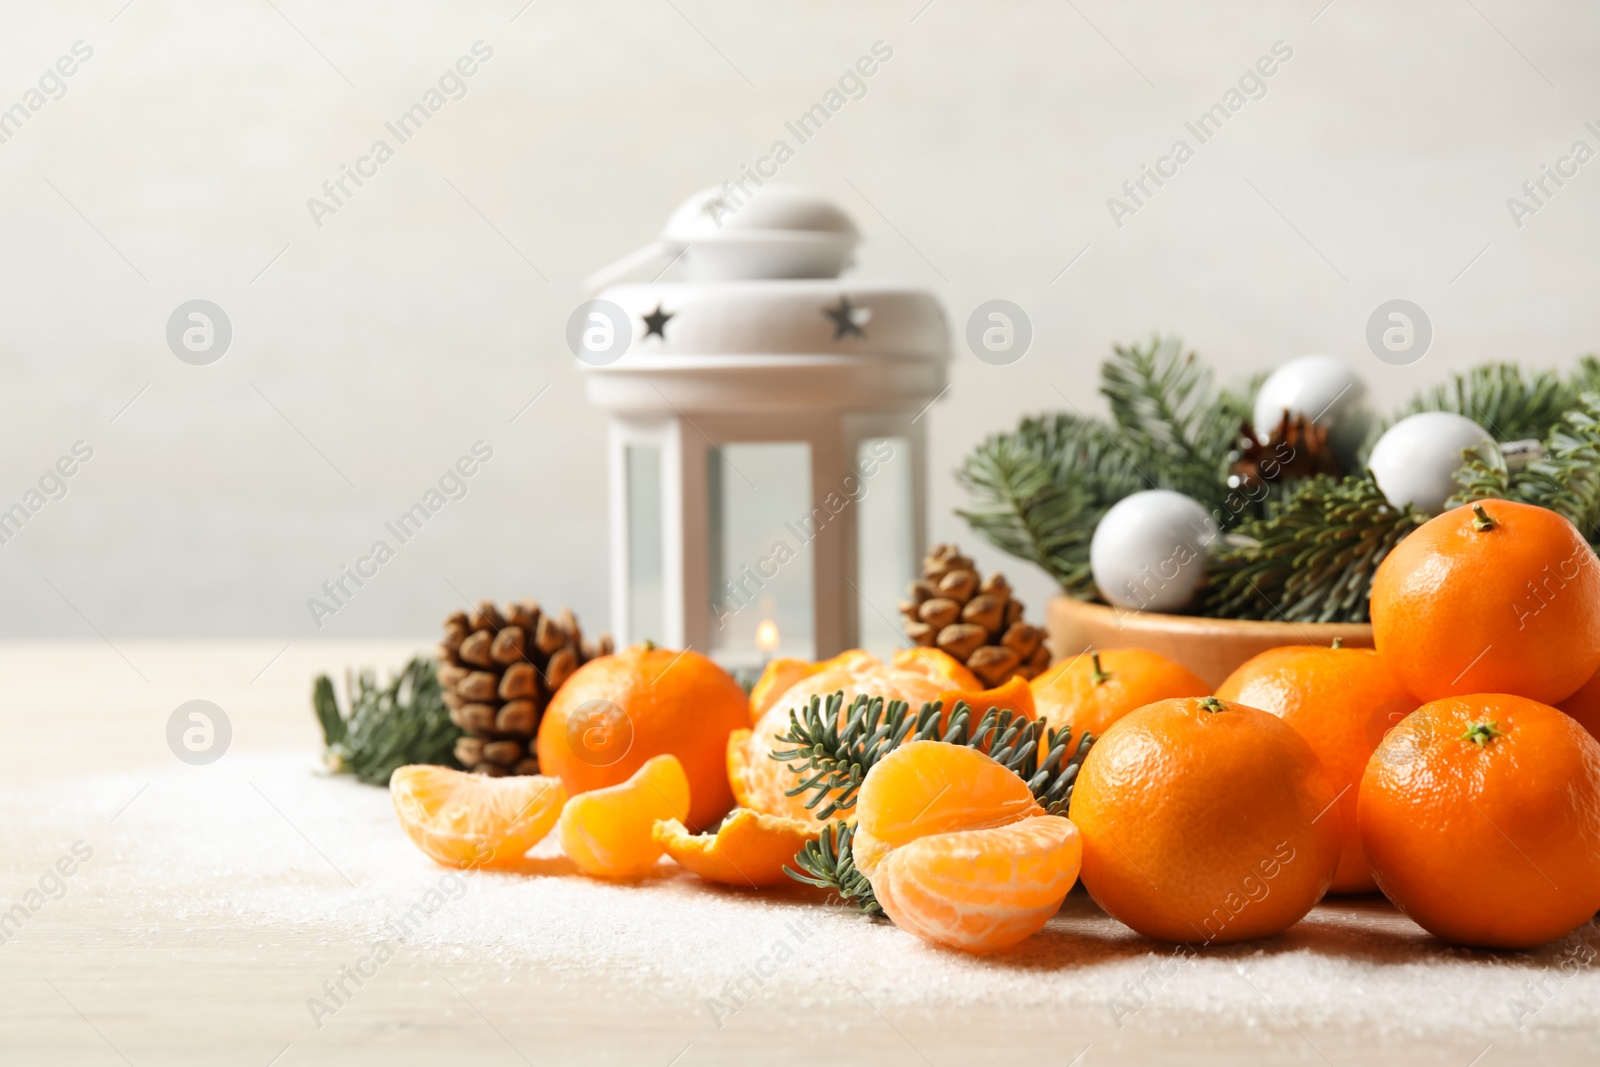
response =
{"points": [[646, 605], [761, 559], [885, 541]]}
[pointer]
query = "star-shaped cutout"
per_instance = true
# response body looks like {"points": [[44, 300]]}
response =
{"points": [[655, 323], [847, 319]]}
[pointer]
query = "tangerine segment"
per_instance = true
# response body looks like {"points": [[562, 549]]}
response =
{"points": [[749, 849], [930, 787], [618, 711], [866, 851], [468, 820], [608, 832], [980, 890]]}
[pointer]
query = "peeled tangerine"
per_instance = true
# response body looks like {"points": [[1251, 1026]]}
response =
{"points": [[760, 782], [468, 820], [608, 832], [749, 849], [917, 676], [958, 851]]}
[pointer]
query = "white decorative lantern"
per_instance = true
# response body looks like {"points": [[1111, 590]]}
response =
{"points": [[766, 450]]}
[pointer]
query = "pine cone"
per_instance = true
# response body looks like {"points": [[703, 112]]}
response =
{"points": [[499, 671], [974, 619], [1296, 448]]}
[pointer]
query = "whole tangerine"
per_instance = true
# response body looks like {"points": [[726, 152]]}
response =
{"points": [[1481, 817], [1342, 701], [1584, 705], [1091, 692], [618, 711], [1491, 597], [1203, 821]]}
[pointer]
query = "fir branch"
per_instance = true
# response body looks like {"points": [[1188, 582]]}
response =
{"points": [[403, 722], [1040, 490], [833, 752], [1566, 479], [1056, 774], [1230, 412], [1586, 378], [1483, 476], [1511, 403], [1312, 558], [1162, 402], [828, 863], [1022, 507], [1307, 550]]}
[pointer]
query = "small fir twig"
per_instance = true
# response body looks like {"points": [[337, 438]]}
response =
{"points": [[1052, 780], [833, 759], [832, 753], [828, 864], [403, 722]]}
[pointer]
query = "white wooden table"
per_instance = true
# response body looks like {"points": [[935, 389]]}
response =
{"points": [[220, 900]]}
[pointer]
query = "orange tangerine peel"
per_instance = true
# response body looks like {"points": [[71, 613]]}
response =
{"points": [[938, 665], [1015, 695], [469, 820], [782, 674], [760, 782], [958, 851], [608, 832], [749, 849], [778, 675]]}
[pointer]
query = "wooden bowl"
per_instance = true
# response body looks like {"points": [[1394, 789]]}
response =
{"points": [[1212, 648]]}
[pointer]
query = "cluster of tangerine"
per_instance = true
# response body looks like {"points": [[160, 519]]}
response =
{"points": [[1434, 768]]}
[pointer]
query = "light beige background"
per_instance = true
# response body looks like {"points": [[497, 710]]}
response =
{"points": [[430, 309]]}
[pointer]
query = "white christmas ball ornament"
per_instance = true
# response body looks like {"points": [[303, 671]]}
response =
{"points": [[1416, 459], [1326, 391], [1149, 551]]}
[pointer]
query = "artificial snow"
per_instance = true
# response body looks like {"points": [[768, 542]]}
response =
{"points": [[270, 840]]}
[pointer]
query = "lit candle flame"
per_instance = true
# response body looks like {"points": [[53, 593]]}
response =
{"points": [[767, 636]]}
